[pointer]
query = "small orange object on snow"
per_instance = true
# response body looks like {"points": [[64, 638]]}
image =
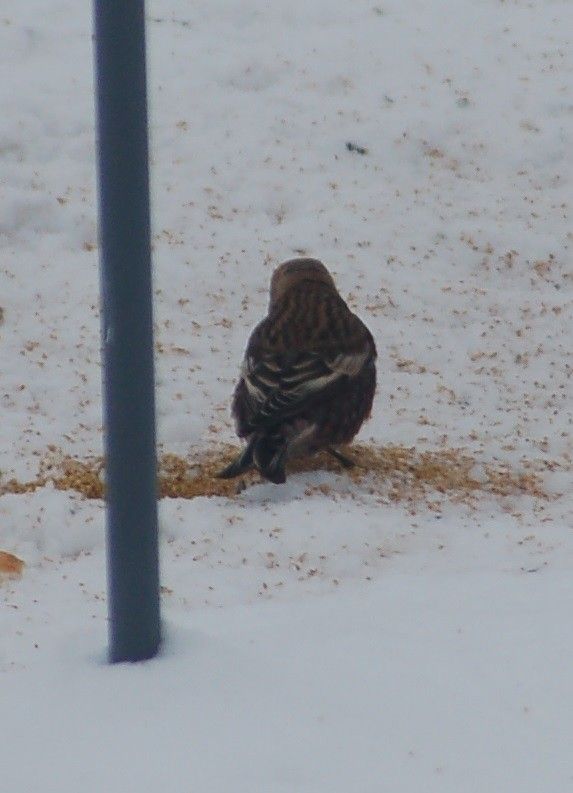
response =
{"points": [[10, 565]]}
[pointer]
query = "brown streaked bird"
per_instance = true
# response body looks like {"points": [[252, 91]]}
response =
{"points": [[308, 377]]}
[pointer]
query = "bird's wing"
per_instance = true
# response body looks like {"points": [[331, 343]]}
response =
{"points": [[280, 387]]}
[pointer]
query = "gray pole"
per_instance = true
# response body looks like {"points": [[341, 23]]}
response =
{"points": [[127, 329]]}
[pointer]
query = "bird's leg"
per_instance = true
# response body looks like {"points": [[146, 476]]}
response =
{"points": [[344, 461]]}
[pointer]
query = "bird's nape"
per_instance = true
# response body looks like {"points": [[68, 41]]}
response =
{"points": [[295, 272]]}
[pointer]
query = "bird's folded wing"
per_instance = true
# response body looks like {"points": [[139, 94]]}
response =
{"points": [[279, 389]]}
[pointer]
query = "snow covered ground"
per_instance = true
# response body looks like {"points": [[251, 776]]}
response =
{"points": [[320, 636]]}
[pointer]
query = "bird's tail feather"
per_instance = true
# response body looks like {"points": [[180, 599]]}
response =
{"points": [[240, 464], [267, 453], [269, 456]]}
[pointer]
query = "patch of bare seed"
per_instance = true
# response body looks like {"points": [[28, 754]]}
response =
{"points": [[399, 472]]}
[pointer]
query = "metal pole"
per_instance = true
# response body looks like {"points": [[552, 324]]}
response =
{"points": [[127, 329]]}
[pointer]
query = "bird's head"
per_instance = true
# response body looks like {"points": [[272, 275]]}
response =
{"points": [[296, 271]]}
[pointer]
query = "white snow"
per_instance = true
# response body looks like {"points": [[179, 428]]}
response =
{"points": [[317, 639]]}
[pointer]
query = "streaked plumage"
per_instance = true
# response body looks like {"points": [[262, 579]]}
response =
{"points": [[308, 377]]}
